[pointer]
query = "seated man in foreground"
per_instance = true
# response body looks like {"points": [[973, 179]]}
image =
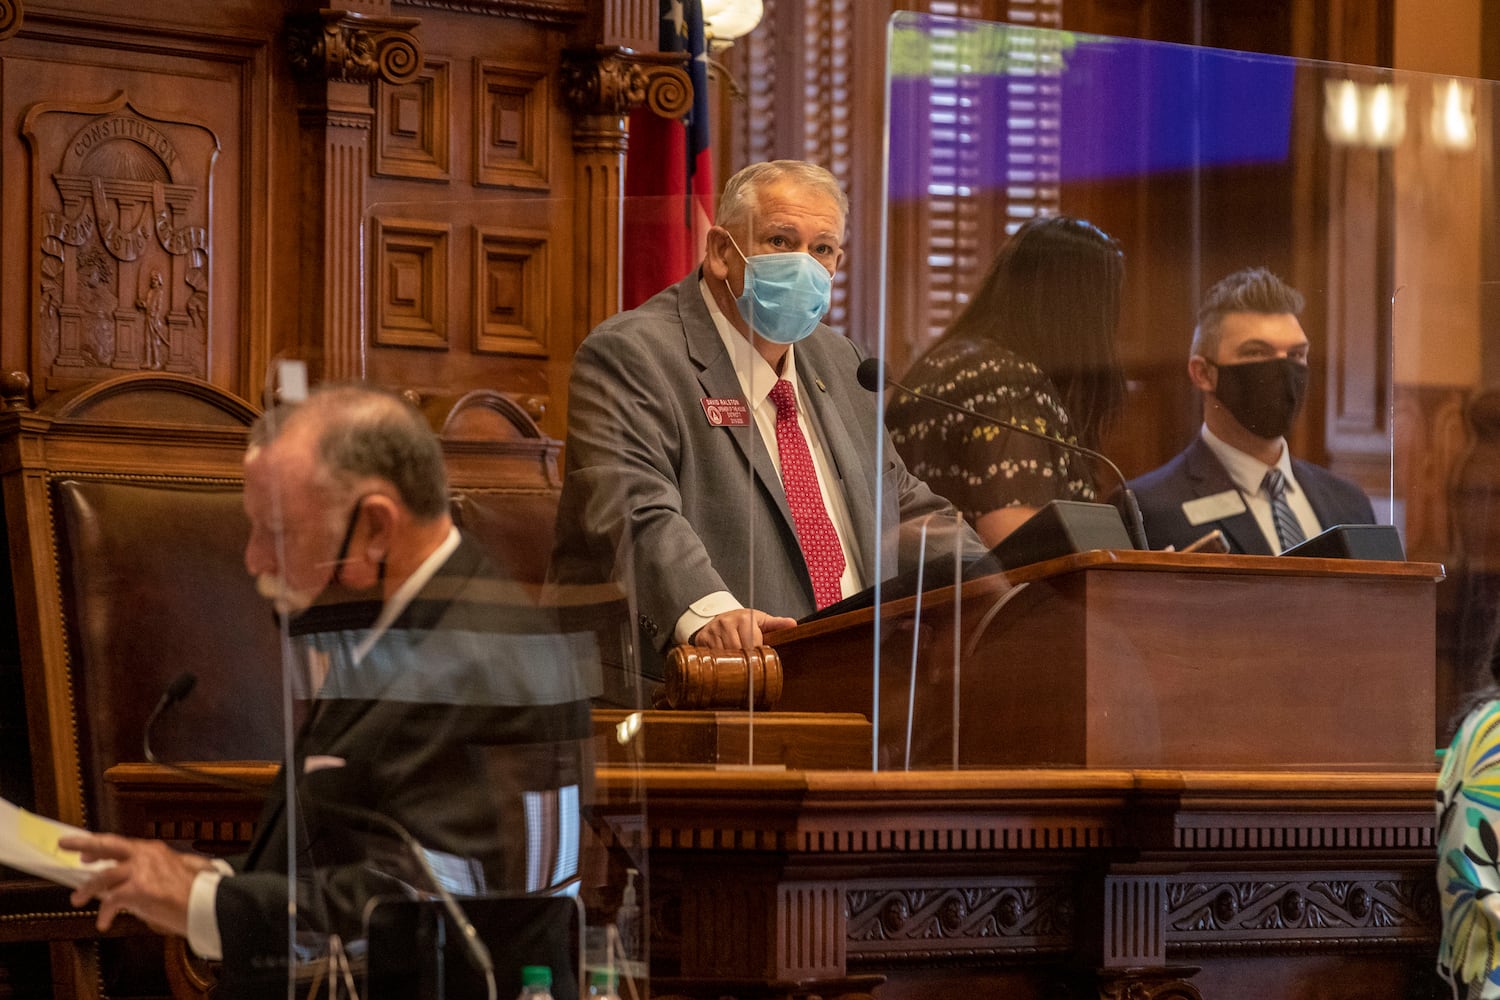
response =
{"points": [[1249, 359], [722, 458], [443, 735]]}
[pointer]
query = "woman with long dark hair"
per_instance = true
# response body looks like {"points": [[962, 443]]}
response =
{"points": [[1035, 346]]}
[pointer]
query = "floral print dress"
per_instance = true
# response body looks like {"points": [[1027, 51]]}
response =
{"points": [[1468, 806], [978, 466]]}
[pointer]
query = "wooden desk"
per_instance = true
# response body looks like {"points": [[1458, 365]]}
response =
{"points": [[1141, 659], [1074, 882], [1042, 883], [1244, 806]]}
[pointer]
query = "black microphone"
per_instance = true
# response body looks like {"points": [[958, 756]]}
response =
{"points": [[182, 685], [479, 952], [871, 375]]}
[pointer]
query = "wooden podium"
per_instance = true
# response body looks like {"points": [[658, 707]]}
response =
{"points": [[1139, 659]]}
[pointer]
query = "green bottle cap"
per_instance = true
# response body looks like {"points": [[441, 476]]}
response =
{"points": [[604, 979], [536, 975]]}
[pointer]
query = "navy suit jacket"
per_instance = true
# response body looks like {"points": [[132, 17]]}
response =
{"points": [[1197, 472]]}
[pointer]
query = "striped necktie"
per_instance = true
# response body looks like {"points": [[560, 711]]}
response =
{"points": [[1288, 529]]}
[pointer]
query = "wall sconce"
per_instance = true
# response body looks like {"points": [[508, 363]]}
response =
{"points": [[1385, 115], [1341, 112], [1451, 123], [723, 22], [1371, 115], [726, 20]]}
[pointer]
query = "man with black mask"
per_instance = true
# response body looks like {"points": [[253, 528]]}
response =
{"points": [[1249, 359]]}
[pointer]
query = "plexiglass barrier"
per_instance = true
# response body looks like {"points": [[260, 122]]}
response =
{"points": [[510, 613], [452, 815], [1073, 198], [1135, 247]]}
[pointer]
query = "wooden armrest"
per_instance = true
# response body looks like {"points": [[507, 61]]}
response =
{"points": [[702, 678]]}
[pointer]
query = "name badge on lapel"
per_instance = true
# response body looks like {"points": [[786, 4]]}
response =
{"points": [[729, 412], [1215, 507]]}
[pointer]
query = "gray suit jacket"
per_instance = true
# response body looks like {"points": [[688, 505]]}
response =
{"points": [[676, 508], [1197, 472]]}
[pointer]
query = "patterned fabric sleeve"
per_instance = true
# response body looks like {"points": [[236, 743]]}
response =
{"points": [[1468, 806], [978, 466]]}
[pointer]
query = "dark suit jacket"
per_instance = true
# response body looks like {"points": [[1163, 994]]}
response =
{"points": [[469, 701], [1196, 472], [672, 506]]}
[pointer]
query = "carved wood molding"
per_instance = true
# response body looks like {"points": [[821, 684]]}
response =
{"points": [[1398, 832], [1148, 984], [609, 80], [1011, 916], [12, 13], [1276, 913], [354, 47], [1033, 810], [557, 13]]}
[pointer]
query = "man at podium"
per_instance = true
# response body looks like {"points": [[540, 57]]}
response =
{"points": [[1249, 360], [721, 455]]}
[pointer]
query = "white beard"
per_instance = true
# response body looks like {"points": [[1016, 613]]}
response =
{"points": [[286, 600]]}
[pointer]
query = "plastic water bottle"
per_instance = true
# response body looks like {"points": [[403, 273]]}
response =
{"points": [[628, 922], [536, 982], [602, 985]]}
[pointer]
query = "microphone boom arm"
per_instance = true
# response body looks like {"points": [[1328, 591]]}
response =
{"points": [[871, 374]]}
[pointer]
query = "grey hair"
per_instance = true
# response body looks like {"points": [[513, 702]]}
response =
{"points": [[738, 203], [364, 433]]}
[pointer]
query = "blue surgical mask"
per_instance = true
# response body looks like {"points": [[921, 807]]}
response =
{"points": [[785, 294]]}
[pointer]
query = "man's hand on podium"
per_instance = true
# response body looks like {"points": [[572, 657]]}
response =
{"points": [[743, 628]]}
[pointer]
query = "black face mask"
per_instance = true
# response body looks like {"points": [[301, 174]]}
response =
{"points": [[1264, 396]]}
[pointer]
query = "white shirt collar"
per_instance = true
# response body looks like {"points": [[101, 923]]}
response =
{"points": [[1247, 471], [408, 590]]}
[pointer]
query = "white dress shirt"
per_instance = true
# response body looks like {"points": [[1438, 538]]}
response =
{"points": [[1248, 474]]}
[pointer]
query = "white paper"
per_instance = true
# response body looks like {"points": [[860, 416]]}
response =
{"points": [[29, 842]]}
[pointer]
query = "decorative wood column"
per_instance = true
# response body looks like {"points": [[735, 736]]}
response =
{"points": [[340, 53], [602, 85], [12, 12]]}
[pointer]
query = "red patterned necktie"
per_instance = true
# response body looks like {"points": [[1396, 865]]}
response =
{"points": [[799, 478]]}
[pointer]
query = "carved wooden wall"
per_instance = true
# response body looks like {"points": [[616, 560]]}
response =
{"points": [[136, 161], [416, 192]]}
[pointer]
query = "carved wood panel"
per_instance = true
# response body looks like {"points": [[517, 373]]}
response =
{"points": [[412, 283], [510, 126], [498, 295], [123, 251], [128, 232], [416, 135], [511, 279]]}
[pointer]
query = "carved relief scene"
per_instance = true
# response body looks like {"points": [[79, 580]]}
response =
{"points": [[122, 246]]}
